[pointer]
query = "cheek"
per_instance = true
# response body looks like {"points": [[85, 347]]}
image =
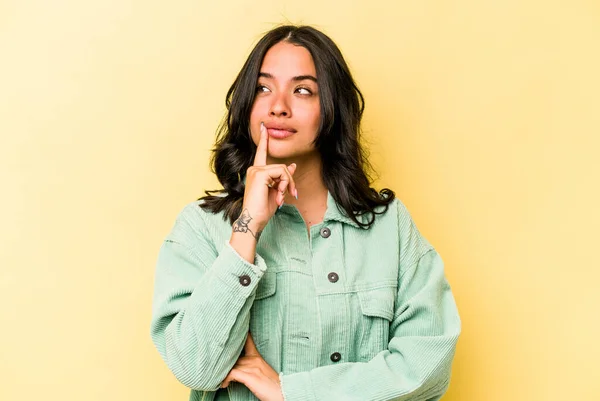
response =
{"points": [[312, 116], [317, 116], [257, 114]]}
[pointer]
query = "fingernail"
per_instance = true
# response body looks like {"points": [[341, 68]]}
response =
{"points": [[296, 193], [280, 206], [262, 125]]}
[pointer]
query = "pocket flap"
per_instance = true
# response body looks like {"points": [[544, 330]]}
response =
{"points": [[267, 285], [378, 302]]}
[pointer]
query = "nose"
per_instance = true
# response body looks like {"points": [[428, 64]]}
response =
{"points": [[280, 106]]}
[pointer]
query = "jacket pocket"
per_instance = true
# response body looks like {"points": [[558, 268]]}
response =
{"points": [[263, 310], [377, 307], [267, 286]]}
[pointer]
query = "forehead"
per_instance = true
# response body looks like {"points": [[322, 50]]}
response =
{"points": [[287, 60]]}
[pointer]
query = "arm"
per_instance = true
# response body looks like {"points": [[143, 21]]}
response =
{"points": [[201, 311], [424, 330], [202, 300]]}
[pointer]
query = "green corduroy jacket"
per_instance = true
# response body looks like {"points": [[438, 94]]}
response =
{"points": [[343, 313]]}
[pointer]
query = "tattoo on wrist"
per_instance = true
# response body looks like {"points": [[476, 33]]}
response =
{"points": [[241, 225]]}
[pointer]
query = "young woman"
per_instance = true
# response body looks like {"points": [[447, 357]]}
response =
{"points": [[297, 280]]}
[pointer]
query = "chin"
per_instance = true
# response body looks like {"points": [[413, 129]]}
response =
{"points": [[281, 151], [288, 151], [282, 155]]}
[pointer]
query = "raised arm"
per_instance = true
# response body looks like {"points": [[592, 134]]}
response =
{"points": [[204, 291]]}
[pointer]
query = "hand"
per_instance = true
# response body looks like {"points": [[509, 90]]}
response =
{"points": [[266, 186], [252, 371]]}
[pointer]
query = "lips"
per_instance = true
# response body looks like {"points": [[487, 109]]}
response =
{"points": [[278, 131]]}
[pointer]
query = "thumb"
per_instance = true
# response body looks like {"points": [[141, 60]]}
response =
{"points": [[292, 168]]}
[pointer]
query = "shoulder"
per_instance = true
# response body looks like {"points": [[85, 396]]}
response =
{"points": [[395, 213], [412, 243], [192, 213], [193, 221]]}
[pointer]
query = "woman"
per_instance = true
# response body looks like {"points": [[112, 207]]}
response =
{"points": [[298, 281]]}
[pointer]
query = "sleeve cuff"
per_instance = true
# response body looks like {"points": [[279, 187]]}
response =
{"points": [[231, 267], [296, 387]]}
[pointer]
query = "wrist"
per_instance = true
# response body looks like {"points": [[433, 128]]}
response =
{"points": [[244, 244], [247, 224]]}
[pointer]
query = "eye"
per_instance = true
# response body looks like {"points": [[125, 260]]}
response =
{"points": [[262, 89], [304, 91]]}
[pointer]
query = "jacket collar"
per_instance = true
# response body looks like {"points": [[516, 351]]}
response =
{"points": [[335, 212]]}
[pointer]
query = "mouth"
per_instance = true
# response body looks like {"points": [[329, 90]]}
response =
{"points": [[279, 131]]}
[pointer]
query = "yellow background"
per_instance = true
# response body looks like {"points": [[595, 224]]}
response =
{"points": [[484, 116]]}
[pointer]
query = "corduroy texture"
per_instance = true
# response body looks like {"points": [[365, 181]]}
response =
{"points": [[388, 311]]}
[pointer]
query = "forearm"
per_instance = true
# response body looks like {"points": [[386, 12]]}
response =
{"points": [[244, 244], [199, 325], [388, 376]]}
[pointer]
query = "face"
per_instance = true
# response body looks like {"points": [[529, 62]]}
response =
{"points": [[287, 102]]}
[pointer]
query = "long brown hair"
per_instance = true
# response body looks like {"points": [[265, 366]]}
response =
{"points": [[345, 168]]}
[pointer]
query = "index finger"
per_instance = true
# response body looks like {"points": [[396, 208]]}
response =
{"points": [[260, 158]]}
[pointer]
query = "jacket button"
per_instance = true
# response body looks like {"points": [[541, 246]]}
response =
{"points": [[325, 232], [245, 280], [335, 357], [333, 277]]}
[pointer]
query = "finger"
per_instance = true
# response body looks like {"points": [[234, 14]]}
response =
{"points": [[231, 377], [293, 189], [280, 172], [292, 168], [240, 376], [250, 347], [286, 182], [247, 362], [228, 379], [260, 158]]}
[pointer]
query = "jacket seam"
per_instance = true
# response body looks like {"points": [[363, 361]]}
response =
{"points": [[416, 262]]}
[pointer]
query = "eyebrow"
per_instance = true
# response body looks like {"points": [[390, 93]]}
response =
{"points": [[297, 78]]}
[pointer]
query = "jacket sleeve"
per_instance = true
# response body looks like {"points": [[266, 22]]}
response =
{"points": [[200, 311], [423, 335]]}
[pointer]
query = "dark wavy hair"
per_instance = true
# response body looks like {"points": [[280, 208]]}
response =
{"points": [[345, 168]]}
